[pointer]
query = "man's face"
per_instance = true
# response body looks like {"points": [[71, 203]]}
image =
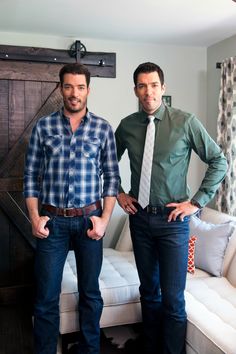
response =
{"points": [[149, 91], [75, 92]]}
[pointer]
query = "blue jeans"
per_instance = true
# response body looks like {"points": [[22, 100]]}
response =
{"points": [[161, 254], [51, 254]]}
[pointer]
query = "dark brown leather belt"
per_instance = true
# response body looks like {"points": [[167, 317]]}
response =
{"points": [[70, 212], [158, 209]]}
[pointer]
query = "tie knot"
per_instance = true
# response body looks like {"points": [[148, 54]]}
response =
{"points": [[151, 118]]}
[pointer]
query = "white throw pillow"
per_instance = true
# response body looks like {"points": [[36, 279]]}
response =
{"points": [[212, 240]]}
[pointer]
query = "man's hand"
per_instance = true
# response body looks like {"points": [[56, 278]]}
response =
{"points": [[38, 226], [98, 229], [126, 203], [181, 209], [38, 222]]}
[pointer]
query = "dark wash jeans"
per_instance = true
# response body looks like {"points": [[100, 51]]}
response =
{"points": [[50, 259], [161, 254]]}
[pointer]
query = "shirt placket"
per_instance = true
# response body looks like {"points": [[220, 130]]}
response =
{"points": [[72, 157]]}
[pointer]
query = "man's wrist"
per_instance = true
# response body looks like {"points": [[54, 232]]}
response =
{"points": [[195, 203]]}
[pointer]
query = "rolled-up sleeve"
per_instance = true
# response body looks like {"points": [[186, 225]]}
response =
{"points": [[33, 166], [110, 168]]}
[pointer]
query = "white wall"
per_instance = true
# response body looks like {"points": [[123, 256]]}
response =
{"points": [[185, 76]]}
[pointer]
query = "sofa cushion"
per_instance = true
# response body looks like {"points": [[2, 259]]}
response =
{"points": [[119, 282], [211, 311], [212, 240]]}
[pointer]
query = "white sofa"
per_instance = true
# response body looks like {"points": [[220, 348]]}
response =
{"points": [[210, 300]]}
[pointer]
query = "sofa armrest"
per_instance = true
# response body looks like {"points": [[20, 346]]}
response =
{"points": [[124, 242], [216, 217]]}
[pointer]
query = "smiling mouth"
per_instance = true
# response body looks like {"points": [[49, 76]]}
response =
{"points": [[74, 100], [149, 100]]}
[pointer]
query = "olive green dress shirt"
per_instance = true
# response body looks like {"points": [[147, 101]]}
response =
{"points": [[177, 134]]}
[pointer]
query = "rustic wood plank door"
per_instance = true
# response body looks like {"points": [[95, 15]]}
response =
{"points": [[27, 91]]}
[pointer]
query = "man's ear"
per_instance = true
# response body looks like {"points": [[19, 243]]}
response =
{"points": [[135, 91], [163, 88]]}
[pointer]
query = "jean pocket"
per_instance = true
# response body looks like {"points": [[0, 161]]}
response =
{"points": [[50, 223], [89, 224], [185, 219], [49, 215]]}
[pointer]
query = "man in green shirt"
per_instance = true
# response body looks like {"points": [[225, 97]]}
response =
{"points": [[160, 229]]}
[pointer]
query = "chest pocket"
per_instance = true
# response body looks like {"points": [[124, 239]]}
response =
{"points": [[53, 145], [91, 147]]}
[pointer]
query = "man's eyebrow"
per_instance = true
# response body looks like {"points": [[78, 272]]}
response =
{"points": [[150, 83], [68, 84]]}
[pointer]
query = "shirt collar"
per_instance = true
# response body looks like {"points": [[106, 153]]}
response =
{"points": [[87, 115], [159, 113]]}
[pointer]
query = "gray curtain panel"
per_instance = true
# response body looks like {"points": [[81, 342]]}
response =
{"points": [[226, 135]]}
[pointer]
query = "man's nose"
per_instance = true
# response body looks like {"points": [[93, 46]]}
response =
{"points": [[74, 91], [148, 89]]}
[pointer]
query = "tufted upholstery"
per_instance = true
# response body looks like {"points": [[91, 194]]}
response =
{"points": [[211, 309], [119, 286], [211, 302]]}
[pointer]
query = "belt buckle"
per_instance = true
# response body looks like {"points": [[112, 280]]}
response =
{"points": [[64, 213], [154, 210]]}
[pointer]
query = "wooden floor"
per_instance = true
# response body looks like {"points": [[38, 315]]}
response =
{"points": [[15, 330], [16, 334]]}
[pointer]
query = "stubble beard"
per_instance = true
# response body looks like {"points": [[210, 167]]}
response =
{"points": [[75, 110]]}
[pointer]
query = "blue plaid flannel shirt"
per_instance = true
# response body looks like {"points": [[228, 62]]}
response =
{"points": [[68, 169]]}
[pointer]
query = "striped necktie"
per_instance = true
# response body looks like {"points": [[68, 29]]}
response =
{"points": [[145, 178]]}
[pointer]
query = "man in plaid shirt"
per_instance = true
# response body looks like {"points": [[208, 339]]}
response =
{"points": [[71, 165]]}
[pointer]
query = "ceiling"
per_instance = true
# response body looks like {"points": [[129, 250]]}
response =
{"points": [[174, 22]]}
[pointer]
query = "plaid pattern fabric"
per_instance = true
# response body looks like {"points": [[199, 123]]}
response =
{"points": [[64, 169]]}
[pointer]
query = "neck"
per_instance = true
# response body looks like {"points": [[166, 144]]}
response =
{"points": [[75, 118], [150, 113]]}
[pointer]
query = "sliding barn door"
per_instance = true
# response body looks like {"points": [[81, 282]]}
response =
{"points": [[27, 92]]}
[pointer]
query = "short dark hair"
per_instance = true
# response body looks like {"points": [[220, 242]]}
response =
{"points": [[75, 68], [148, 68]]}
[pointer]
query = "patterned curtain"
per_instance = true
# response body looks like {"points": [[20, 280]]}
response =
{"points": [[226, 135]]}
